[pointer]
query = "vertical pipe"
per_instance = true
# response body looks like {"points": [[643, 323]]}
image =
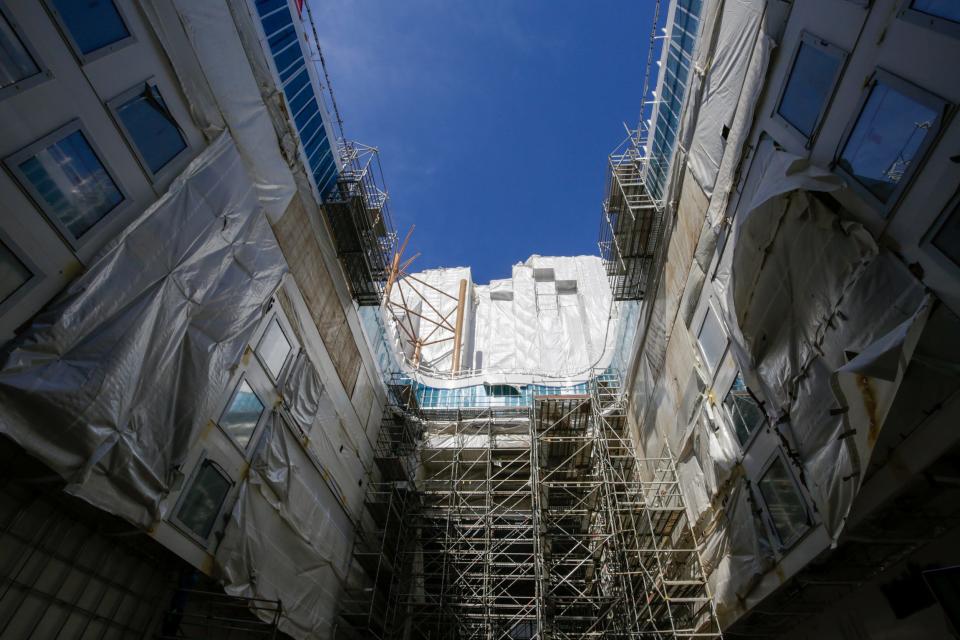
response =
{"points": [[458, 332]]}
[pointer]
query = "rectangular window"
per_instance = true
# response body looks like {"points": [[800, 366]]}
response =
{"points": [[888, 139], [947, 237], [745, 414], [785, 505], [948, 9], [203, 501], [274, 348], [93, 27], [19, 66], [13, 273], [242, 415], [712, 339], [149, 126], [813, 75], [66, 178]]}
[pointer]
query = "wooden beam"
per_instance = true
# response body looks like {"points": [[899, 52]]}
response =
{"points": [[458, 331]]}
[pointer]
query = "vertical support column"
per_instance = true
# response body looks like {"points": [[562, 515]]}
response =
{"points": [[458, 328]]}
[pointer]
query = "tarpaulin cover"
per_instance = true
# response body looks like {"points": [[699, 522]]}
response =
{"points": [[110, 383], [730, 65], [825, 320], [226, 68], [282, 542], [550, 321]]}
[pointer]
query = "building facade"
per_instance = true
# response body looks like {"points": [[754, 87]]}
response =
{"points": [[189, 403], [801, 306]]}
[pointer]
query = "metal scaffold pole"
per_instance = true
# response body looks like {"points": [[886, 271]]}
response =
{"points": [[526, 520]]}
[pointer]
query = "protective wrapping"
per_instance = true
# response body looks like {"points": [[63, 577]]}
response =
{"points": [[312, 410], [551, 321], [224, 64], [110, 383], [824, 320], [282, 542], [731, 61]]}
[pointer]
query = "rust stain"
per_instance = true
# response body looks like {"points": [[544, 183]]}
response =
{"points": [[207, 565], [870, 405], [781, 576], [245, 359]]}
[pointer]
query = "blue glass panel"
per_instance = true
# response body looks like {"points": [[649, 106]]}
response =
{"points": [[202, 503], [299, 101], [948, 9], [280, 40], [73, 183], [808, 88], [152, 128], [294, 86], [16, 63], [93, 24], [276, 22], [293, 62], [884, 142], [308, 112], [269, 6]]}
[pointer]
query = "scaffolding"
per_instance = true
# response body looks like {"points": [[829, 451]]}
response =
{"points": [[533, 521], [631, 228], [358, 213]]}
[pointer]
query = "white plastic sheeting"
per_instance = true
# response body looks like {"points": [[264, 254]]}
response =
{"points": [[730, 65], [824, 321], [550, 321], [111, 382], [219, 55], [282, 542]]}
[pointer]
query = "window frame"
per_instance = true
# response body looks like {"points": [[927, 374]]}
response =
{"points": [[924, 97], [929, 21], [176, 162], [822, 44], [730, 419], [35, 273], [245, 450], [187, 485], [712, 370], [926, 242], [783, 545], [12, 163], [291, 356], [87, 58], [43, 74]]}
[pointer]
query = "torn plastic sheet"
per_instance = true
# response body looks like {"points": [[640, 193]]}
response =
{"points": [[282, 542], [805, 291], [112, 380], [725, 86]]}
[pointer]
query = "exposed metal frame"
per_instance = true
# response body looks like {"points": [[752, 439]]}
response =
{"points": [[535, 521]]}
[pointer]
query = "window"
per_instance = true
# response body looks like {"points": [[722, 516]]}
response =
{"points": [[13, 273], [149, 126], [947, 237], [93, 27], [940, 15], [712, 339], [274, 348], [203, 501], [894, 128], [745, 414], [242, 415], [66, 178], [813, 75], [19, 66], [785, 506]]}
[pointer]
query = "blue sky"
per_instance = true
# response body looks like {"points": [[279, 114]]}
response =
{"points": [[493, 117]]}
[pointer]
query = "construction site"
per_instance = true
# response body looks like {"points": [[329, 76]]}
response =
{"points": [[232, 406]]}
